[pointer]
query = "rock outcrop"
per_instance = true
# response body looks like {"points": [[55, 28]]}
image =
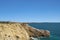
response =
{"points": [[33, 32], [20, 31], [13, 31]]}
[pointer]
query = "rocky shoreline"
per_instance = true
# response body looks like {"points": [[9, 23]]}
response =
{"points": [[34, 33], [20, 31]]}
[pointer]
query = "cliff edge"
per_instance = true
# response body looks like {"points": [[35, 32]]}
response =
{"points": [[13, 31], [20, 31], [33, 32]]}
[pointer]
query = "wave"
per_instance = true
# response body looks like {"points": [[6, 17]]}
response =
{"points": [[52, 37]]}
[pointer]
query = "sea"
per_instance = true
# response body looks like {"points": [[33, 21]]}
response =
{"points": [[54, 29]]}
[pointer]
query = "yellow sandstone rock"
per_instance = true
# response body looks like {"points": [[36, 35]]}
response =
{"points": [[13, 31], [20, 31]]}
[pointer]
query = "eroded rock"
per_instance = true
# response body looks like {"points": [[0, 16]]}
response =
{"points": [[33, 32], [13, 31], [20, 31]]}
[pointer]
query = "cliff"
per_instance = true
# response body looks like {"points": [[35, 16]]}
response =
{"points": [[20, 31], [33, 32], [13, 31]]}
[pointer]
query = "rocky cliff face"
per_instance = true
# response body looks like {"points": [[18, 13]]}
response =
{"points": [[20, 31], [33, 32], [13, 31]]}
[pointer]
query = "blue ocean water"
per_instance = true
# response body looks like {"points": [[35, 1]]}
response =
{"points": [[54, 29]]}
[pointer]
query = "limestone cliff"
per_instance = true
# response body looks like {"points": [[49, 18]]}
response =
{"points": [[33, 32], [13, 31], [20, 31]]}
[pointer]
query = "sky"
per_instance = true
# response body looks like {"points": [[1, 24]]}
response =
{"points": [[30, 10]]}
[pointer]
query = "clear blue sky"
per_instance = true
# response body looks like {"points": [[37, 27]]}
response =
{"points": [[30, 10]]}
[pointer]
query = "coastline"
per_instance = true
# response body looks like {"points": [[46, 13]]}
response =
{"points": [[30, 31]]}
